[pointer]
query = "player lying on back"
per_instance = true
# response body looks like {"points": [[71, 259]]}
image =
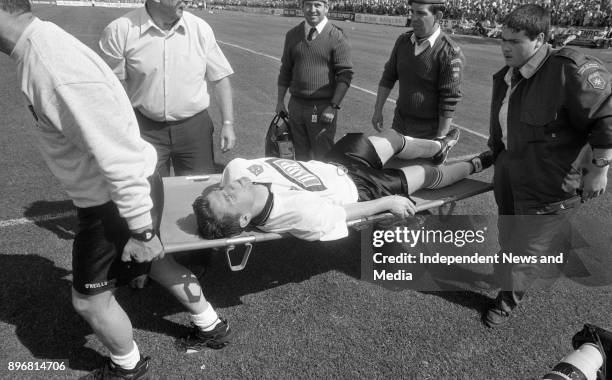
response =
{"points": [[313, 200]]}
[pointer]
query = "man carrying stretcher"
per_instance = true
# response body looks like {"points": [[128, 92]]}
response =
{"points": [[313, 200]]}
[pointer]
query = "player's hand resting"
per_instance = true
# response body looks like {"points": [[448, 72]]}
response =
{"points": [[400, 206]]}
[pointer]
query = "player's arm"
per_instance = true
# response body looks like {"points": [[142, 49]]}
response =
{"points": [[398, 205]]}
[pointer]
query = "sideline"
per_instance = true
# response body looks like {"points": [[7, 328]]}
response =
{"points": [[36, 219], [475, 133]]}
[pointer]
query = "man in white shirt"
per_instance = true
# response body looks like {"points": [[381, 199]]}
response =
{"points": [[165, 56]]}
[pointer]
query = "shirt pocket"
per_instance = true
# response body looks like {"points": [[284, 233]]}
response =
{"points": [[539, 129]]}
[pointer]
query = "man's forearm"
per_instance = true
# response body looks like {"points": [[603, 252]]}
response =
{"points": [[381, 97], [444, 125], [282, 91], [367, 208], [340, 91], [223, 88]]}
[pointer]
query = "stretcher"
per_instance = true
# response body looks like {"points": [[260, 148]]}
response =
{"points": [[178, 229]]}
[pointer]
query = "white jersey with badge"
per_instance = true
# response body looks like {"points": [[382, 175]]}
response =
{"points": [[308, 196]]}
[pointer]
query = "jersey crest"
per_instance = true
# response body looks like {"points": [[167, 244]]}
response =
{"points": [[297, 174], [255, 169]]}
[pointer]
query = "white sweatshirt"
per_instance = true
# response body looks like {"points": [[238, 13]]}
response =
{"points": [[85, 124]]}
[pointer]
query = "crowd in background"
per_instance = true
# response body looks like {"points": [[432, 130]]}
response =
{"points": [[487, 13]]}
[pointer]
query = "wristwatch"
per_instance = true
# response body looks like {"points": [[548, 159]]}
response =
{"points": [[601, 162], [144, 236], [335, 106]]}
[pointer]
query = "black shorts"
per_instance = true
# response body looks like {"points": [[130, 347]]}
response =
{"points": [[98, 245], [355, 152]]}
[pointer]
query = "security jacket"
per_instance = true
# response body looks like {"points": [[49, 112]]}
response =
{"points": [[558, 107]]}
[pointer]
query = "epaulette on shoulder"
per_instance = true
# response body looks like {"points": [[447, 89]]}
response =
{"points": [[578, 58], [455, 46], [405, 36], [337, 27], [571, 54]]}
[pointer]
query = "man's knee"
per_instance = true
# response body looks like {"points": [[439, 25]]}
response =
{"points": [[394, 137], [88, 306]]}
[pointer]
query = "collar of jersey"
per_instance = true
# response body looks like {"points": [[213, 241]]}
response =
{"points": [[263, 216]]}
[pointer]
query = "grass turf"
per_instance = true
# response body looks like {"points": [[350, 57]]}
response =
{"points": [[299, 309]]}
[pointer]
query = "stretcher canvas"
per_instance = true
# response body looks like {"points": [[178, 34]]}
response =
{"points": [[179, 230]]}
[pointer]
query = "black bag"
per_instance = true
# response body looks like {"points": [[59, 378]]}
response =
{"points": [[278, 139]]}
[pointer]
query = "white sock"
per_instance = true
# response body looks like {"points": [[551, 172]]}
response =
{"points": [[129, 360], [437, 177], [419, 148], [206, 320]]}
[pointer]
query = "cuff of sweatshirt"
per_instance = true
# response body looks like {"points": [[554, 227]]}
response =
{"points": [[139, 221], [346, 77], [282, 82], [386, 83]]}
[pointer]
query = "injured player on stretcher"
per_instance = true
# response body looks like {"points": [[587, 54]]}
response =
{"points": [[313, 200]]}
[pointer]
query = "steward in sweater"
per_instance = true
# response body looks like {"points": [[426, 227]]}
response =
{"points": [[428, 65], [317, 70]]}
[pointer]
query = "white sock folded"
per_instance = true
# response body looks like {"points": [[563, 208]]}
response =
{"points": [[206, 320], [128, 361], [418, 148]]}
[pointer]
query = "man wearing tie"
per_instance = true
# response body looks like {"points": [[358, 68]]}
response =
{"points": [[317, 70]]}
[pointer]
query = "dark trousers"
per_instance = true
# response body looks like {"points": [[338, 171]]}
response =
{"points": [[535, 232], [185, 144], [311, 140]]}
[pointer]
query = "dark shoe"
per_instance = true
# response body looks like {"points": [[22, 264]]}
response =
{"points": [[483, 161], [447, 143], [498, 313], [196, 340], [110, 371]]}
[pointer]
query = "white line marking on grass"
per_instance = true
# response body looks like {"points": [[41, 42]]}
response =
{"points": [[250, 51], [35, 219], [352, 85]]}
